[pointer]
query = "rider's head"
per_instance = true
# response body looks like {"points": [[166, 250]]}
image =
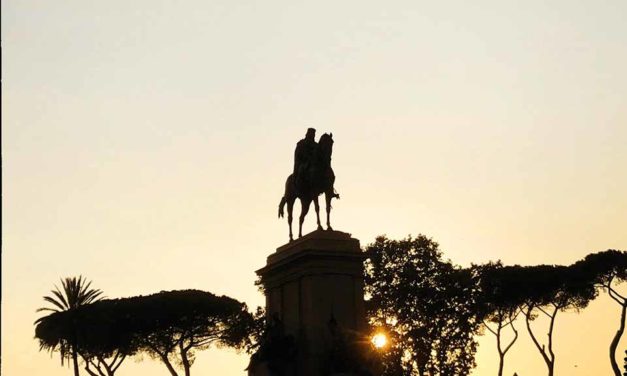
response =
{"points": [[311, 134]]}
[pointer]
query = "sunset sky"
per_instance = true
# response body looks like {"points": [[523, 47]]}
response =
{"points": [[145, 145]]}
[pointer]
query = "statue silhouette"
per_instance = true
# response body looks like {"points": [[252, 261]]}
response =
{"points": [[311, 177]]}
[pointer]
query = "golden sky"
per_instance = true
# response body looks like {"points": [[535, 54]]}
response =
{"points": [[146, 143]]}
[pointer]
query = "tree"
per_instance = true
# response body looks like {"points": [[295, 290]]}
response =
{"points": [[75, 293], [103, 340], [500, 303], [428, 303], [548, 290], [604, 270], [172, 326]]}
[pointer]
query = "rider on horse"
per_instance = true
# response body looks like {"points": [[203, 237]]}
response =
{"points": [[304, 156], [312, 177]]}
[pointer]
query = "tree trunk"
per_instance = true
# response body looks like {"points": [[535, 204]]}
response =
{"points": [[498, 347], [550, 362], [184, 359], [551, 365], [167, 363], [501, 363], [75, 360], [616, 340]]}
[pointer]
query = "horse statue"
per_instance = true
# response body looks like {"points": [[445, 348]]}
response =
{"points": [[319, 178]]}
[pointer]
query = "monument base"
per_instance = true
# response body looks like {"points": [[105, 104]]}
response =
{"points": [[314, 287]]}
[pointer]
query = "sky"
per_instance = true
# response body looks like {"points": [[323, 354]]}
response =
{"points": [[145, 146]]}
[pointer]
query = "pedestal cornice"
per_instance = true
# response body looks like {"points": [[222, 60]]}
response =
{"points": [[319, 252]]}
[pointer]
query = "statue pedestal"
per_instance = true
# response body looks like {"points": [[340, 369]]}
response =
{"points": [[311, 282]]}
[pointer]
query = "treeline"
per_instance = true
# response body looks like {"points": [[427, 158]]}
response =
{"points": [[169, 326], [434, 310], [431, 309]]}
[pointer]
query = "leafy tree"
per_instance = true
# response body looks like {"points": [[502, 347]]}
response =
{"points": [[256, 326], [500, 303], [174, 325], [605, 270], [170, 326], [103, 340], [75, 292], [427, 303], [548, 290]]}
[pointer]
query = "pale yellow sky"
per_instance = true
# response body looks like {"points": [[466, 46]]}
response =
{"points": [[145, 146]]}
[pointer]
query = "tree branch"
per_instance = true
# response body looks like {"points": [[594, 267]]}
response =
{"points": [[488, 327], [616, 340], [533, 337], [167, 363], [620, 299], [513, 340], [550, 334], [89, 370], [543, 311], [120, 360]]}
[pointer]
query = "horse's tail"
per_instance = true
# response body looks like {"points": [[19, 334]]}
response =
{"points": [[281, 206]]}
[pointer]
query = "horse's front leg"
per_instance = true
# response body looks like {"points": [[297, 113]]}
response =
{"points": [[317, 207], [328, 196], [290, 208], [304, 208]]}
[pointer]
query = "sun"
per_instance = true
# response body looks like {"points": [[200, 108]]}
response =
{"points": [[379, 340]]}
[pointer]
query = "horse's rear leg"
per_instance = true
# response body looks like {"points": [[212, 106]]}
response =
{"points": [[317, 207], [290, 208], [304, 208]]}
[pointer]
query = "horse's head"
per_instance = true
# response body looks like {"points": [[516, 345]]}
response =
{"points": [[326, 145], [326, 141]]}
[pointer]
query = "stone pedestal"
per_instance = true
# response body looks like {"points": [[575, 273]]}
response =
{"points": [[310, 282]]}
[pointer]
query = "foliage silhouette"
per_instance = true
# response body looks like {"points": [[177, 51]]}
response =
{"points": [[432, 308], [74, 293], [604, 270], [170, 326], [427, 303], [548, 290], [104, 339], [499, 304], [275, 351]]}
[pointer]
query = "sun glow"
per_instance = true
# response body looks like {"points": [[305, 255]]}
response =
{"points": [[379, 340]]}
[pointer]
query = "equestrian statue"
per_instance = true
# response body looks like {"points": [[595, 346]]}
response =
{"points": [[311, 177]]}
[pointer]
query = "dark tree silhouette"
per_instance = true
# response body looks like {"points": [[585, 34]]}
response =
{"points": [[178, 323], [74, 293], [103, 338], [605, 270], [170, 326], [500, 302], [548, 290], [256, 325], [428, 303]]}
